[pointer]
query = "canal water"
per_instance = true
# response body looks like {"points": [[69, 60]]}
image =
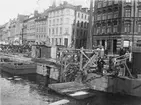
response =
{"points": [[28, 90]]}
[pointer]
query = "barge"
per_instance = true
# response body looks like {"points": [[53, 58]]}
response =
{"points": [[19, 68]]}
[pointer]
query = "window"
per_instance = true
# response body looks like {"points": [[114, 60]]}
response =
{"points": [[85, 16], [66, 30], [49, 22], [109, 15], [139, 28], [98, 30], [82, 16], [49, 31], [139, 13], [78, 14], [104, 3], [81, 24], [104, 29], [78, 24], [128, 13], [99, 4], [115, 15], [53, 21], [109, 29], [61, 21], [104, 16], [115, 29], [109, 2], [53, 41], [99, 17], [57, 21], [60, 30], [53, 31], [60, 39], [57, 30], [127, 28]]}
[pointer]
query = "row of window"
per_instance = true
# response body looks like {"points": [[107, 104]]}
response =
{"points": [[81, 33], [127, 29], [106, 29], [128, 12], [107, 16], [82, 16], [41, 29], [82, 24], [103, 3], [59, 12], [57, 41], [58, 21], [41, 23], [58, 30], [40, 36]]}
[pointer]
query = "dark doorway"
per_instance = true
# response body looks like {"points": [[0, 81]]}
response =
{"points": [[66, 42], [114, 46], [103, 43]]}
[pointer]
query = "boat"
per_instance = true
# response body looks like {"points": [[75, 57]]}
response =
{"points": [[4, 60], [19, 68]]}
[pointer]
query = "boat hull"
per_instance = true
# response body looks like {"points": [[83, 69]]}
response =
{"points": [[123, 85], [19, 70]]}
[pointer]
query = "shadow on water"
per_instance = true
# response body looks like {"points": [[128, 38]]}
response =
{"points": [[38, 91]]}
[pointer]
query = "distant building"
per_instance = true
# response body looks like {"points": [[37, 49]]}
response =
{"points": [[29, 29], [41, 29], [67, 23], [114, 23]]}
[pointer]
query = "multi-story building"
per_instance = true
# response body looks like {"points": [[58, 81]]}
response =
{"points": [[67, 22], [5, 33], [117, 23], [12, 30], [29, 28], [41, 29]]}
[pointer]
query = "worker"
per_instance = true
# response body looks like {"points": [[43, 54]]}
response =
{"points": [[100, 64]]}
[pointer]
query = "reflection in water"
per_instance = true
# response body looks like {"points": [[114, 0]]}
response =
{"points": [[30, 90]]}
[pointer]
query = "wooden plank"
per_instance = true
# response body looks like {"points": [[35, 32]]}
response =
{"points": [[60, 102]]}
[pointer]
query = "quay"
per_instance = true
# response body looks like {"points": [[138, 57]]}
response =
{"points": [[77, 71]]}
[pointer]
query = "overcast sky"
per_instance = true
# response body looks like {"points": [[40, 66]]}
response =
{"points": [[9, 9]]}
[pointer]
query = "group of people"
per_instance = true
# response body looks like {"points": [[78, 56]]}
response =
{"points": [[15, 48], [122, 52]]}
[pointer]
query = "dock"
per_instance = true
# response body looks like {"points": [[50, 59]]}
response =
{"points": [[73, 89]]}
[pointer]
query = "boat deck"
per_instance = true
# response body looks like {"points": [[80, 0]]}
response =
{"points": [[72, 89]]}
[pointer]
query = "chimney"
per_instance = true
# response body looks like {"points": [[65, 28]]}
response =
{"points": [[35, 13]]}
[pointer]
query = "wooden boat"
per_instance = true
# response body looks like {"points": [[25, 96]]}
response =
{"points": [[4, 60], [19, 68]]}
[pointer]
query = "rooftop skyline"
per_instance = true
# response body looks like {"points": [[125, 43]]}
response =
{"points": [[9, 9]]}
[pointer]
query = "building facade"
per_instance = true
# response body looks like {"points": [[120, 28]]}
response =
{"points": [[29, 30], [41, 29], [62, 22], [117, 23]]}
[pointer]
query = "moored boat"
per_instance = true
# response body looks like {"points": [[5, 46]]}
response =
{"points": [[19, 68]]}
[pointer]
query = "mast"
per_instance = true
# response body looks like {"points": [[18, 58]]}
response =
{"points": [[89, 37], [133, 35]]}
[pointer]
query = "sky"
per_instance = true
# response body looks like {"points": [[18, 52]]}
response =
{"points": [[9, 9]]}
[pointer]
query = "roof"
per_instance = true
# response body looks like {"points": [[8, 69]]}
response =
{"points": [[66, 5]]}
